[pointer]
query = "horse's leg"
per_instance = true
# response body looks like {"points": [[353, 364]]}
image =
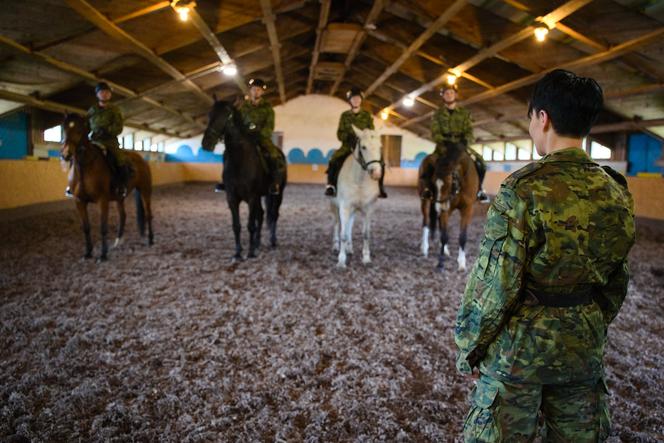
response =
{"points": [[82, 209], [259, 223], [273, 204], [466, 216], [424, 245], [234, 206], [349, 243], [146, 197], [103, 209], [121, 225], [444, 215], [366, 236], [251, 226], [337, 226], [344, 222]]}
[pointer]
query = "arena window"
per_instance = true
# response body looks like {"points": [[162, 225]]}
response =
{"points": [[53, 134], [510, 151], [599, 151], [487, 153]]}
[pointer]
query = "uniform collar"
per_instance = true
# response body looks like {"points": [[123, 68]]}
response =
{"points": [[572, 154]]}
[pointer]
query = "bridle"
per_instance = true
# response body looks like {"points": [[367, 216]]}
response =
{"points": [[216, 133], [360, 157]]}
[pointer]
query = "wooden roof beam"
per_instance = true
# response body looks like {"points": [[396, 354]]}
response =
{"points": [[61, 107], [218, 48], [268, 19], [376, 9], [580, 63], [433, 28], [322, 22], [71, 69], [91, 14], [550, 19]]}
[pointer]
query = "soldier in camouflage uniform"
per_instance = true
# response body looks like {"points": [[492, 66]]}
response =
{"points": [[550, 277], [258, 118], [106, 122], [361, 119], [451, 123]]}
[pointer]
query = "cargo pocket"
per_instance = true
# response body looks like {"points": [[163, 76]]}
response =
{"points": [[480, 424]]}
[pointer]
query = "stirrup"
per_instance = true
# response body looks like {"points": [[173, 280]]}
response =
{"points": [[382, 194], [68, 193], [274, 189], [482, 197], [330, 191], [219, 187]]}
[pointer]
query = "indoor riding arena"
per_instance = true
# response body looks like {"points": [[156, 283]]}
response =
{"points": [[159, 328]]}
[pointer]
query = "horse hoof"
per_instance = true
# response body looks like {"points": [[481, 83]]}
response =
{"points": [[366, 261], [237, 259], [102, 259], [252, 255], [341, 265], [440, 269], [87, 256], [117, 243]]}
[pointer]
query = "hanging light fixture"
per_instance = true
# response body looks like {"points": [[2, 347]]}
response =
{"points": [[229, 70], [451, 79], [541, 31], [409, 101], [183, 8], [384, 114]]}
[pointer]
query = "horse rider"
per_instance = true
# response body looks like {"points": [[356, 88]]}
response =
{"points": [[550, 277], [106, 122], [451, 123], [258, 119], [361, 119]]}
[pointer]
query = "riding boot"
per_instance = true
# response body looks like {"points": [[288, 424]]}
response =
{"points": [[332, 176], [278, 175], [481, 172], [381, 187]]}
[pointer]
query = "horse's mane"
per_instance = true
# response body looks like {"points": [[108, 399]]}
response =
{"points": [[445, 164]]}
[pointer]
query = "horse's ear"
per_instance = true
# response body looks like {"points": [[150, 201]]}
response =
{"points": [[358, 132]]}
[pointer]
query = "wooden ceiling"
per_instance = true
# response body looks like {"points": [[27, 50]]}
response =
{"points": [[165, 71]]}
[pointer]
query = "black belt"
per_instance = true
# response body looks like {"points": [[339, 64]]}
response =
{"points": [[535, 298]]}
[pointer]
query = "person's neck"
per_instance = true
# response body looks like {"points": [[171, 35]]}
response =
{"points": [[255, 100], [355, 109], [102, 104], [554, 142], [450, 105]]}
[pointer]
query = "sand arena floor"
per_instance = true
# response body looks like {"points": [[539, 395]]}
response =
{"points": [[176, 343]]}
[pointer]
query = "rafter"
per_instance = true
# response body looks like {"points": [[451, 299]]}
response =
{"points": [[433, 28], [551, 18], [75, 70], [376, 9], [268, 19], [580, 63], [219, 49], [90, 13], [322, 22], [49, 105]]}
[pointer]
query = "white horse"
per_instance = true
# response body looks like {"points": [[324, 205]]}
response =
{"points": [[357, 191]]}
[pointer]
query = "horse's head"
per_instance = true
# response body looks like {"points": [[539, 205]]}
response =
{"points": [[218, 120], [367, 151], [443, 170], [76, 132]]}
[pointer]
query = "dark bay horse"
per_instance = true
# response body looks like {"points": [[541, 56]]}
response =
{"points": [[453, 182], [92, 184], [245, 176]]}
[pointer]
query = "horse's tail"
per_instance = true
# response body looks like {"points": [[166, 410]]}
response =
{"points": [[140, 212]]}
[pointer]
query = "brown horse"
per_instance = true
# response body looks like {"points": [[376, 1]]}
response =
{"points": [[92, 184], [452, 182]]}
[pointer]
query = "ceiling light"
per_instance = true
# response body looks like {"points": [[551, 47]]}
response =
{"points": [[183, 8], [229, 70], [384, 114], [541, 32], [409, 101], [451, 79]]}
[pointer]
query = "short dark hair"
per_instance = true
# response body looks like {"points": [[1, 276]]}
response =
{"points": [[572, 102]]}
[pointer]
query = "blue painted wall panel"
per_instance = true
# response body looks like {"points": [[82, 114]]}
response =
{"points": [[642, 153], [14, 136]]}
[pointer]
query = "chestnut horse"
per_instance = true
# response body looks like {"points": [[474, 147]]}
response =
{"points": [[453, 182], [92, 184]]}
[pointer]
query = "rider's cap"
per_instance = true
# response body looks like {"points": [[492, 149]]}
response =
{"points": [[102, 86], [352, 92], [257, 82]]}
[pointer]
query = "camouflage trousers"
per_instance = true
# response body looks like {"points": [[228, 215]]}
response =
{"points": [[506, 412]]}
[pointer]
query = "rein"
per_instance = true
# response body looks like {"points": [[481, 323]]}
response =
{"points": [[360, 157]]}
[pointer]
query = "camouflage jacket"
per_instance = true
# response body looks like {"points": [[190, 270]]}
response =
{"points": [[258, 118], [452, 125], [105, 123], [558, 226], [361, 120]]}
